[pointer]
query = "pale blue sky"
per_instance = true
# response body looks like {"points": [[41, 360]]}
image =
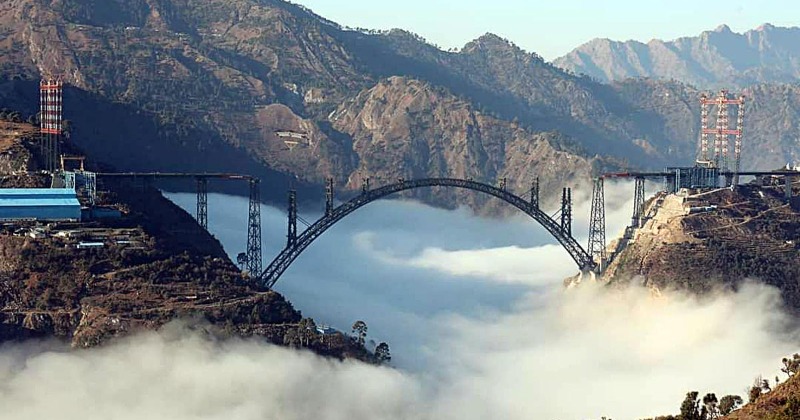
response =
{"points": [[553, 28]]}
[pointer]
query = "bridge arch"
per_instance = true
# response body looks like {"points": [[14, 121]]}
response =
{"points": [[281, 263]]}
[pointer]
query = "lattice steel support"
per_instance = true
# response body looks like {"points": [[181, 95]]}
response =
{"points": [[737, 148], [365, 186], [722, 132], [721, 144], [202, 202], [329, 197], [254, 230], [291, 236], [91, 186], [597, 225], [566, 211], [69, 180], [535, 194], [703, 129], [638, 203]]}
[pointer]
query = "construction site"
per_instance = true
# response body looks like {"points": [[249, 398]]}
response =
{"points": [[706, 225], [51, 192]]}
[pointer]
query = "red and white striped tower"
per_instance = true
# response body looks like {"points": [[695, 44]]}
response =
{"points": [[51, 120], [721, 143], [722, 133]]}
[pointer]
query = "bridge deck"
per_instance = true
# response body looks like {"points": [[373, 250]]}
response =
{"points": [[215, 175]]}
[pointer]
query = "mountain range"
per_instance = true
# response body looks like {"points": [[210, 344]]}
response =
{"points": [[206, 84], [714, 59]]}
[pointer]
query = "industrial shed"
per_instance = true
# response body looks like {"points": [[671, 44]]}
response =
{"points": [[39, 204]]}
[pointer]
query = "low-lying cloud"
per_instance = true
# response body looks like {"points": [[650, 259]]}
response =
{"points": [[473, 310]]}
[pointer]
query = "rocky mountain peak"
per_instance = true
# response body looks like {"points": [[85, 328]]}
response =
{"points": [[723, 29], [711, 60], [490, 42], [765, 27]]}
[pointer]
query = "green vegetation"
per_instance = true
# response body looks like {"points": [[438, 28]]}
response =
{"points": [[779, 402], [360, 331]]}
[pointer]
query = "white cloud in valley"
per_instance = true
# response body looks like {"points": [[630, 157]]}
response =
{"points": [[473, 309]]}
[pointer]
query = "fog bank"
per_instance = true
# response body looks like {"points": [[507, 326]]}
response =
{"points": [[476, 317]]}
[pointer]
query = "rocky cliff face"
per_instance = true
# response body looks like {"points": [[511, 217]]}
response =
{"points": [[706, 241], [14, 157], [718, 58], [404, 128]]}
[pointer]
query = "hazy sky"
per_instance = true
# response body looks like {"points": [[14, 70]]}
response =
{"points": [[553, 28]]}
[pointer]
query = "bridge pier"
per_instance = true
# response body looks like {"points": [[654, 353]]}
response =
{"points": [[535, 194], [254, 230], [365, 186], [638, 203], [566, 211], [597, 224], [329, 197], [291, 236], [202, 202]]}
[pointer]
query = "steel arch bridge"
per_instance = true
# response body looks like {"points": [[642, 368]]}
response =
{"points": [[298, 243]]}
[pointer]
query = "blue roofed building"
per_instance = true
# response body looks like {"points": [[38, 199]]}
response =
{"points": [[39, 204]]}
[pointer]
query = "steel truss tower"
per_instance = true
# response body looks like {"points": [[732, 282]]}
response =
{"points": [[597, 224], [737, 149], [722, 133], [254, 230], [535, 193], [638, 203], [329, 197], [202, 202], [566, 211], [365, 185], [291, 236], [51, 121], [90, 182]]}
